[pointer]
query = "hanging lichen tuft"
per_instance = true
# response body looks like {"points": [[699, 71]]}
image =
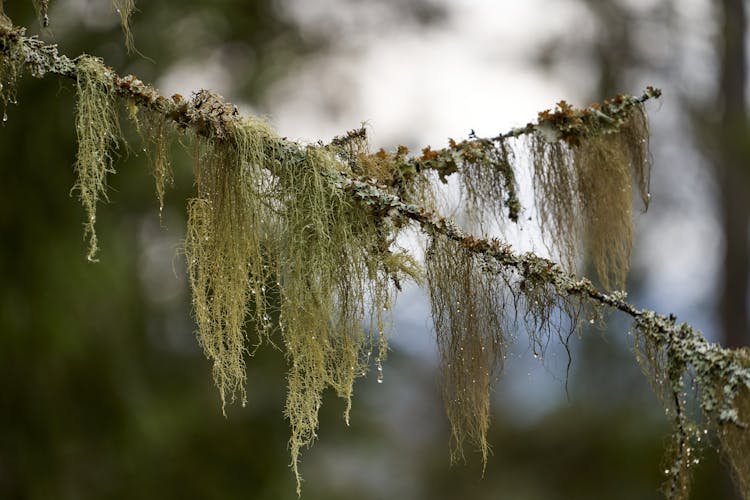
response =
{"points": [[584, 172], [735, 436], [125, 9], [157, 132], [226, 246], [42, 9], [331, 274], [605, 201], [467, 310], [555, 187], [11, 61], [98, 131]]}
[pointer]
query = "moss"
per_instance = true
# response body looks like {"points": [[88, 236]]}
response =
{"points": [[98, 131]]}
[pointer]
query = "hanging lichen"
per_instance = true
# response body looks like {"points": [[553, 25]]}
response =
{"points": [[735, 436], [467, 312], [226, 247], [331, 280], [42, 9], [11, 62], [156, 132], [583, 185], [98, 131], [125, 9]]}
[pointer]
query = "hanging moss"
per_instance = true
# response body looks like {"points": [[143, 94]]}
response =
{"points": [[98, 131], [467, 312]]}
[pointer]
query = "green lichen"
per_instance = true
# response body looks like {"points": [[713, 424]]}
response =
{"points": [[98, 131], [467, 312], [226, 249], [330, 271], [125, 9], [42, 9], [583, 192]]}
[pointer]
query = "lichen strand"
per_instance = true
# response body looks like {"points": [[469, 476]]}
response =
{"points": [[605, 200], [556, 201], [98, 131], [735, 437], [42, 8], [125, 9], [467, 309], [583, 188], [331, 280], [157, 132], [488, 180], [227, 249], [11, 62]]}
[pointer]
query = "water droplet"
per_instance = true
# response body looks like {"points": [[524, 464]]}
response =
{"points": [[244, 404], [380, 373], [591, 321], [5, 117]]}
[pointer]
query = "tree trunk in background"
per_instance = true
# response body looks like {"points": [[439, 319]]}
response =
{"points": [[732, 172]]}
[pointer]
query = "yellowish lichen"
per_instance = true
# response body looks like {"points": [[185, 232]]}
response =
{"points": [[735, 437], [98, 130], [125, 9], [584, 195], [467, 311]]}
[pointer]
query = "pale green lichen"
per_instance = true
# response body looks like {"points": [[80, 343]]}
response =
{"points": [[98, 131], [42, 9], [584, 193], [467, 312], [225, 249], [125, 9], [331, 280]]}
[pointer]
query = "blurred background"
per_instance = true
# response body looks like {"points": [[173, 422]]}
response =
{"points": [[104, 392]]}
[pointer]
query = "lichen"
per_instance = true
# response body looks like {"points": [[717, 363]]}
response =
{"points": [[42, 9], [125, 9], [98, 131], [467, 313], [331, 280], [735, 436], [583, 193], [226, 249]]}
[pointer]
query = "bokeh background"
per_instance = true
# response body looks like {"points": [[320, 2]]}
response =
{"points": [[104, 392]]}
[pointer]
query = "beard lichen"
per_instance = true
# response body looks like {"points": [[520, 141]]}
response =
{"points": [[331, 280], [735, 436], [226, 249], [125, 9], [467, 312], [98, 132], [583, 192]]}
